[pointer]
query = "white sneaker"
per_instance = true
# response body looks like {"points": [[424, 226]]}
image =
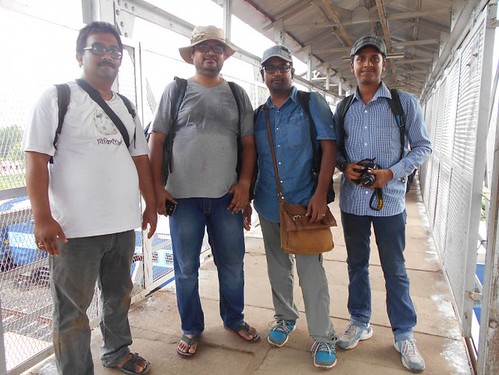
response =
{"points": [[352, 335], [411, 359]]}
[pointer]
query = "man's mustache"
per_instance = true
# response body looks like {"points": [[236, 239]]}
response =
{"points": [[106, 63]]}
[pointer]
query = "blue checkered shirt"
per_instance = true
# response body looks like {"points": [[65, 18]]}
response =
{"points": [[371, 131]]}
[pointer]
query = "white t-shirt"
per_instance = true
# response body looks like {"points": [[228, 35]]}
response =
{"points": [[93, 186]]}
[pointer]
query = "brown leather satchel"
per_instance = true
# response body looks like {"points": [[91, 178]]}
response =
{"points": [[298, 235]]}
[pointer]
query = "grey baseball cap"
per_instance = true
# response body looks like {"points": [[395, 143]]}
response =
{"points": [[369, 40], [278, 50]]}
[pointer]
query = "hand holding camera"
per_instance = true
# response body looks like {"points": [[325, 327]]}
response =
{"points": [[366, 179]]}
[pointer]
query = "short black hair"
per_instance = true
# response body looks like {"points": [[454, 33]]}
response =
{"points": [[95, 28]]}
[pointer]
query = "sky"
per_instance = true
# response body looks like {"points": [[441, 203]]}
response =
{"points": [[32, 61]]}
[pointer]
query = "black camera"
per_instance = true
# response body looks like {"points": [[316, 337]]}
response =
{"points": [[366, 179]]}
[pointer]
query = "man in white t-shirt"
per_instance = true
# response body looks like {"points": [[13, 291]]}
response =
{"points": [[204, 184], [86, 205]]}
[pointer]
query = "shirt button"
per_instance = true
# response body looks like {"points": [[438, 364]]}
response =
{"points": [[280, 181], [367, 192], [278, 146], [365, 111], [276, 129], [365, 127], [279, 163], [365, 144]]}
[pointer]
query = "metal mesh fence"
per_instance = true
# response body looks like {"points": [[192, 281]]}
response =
{"points": [[24, 287]]}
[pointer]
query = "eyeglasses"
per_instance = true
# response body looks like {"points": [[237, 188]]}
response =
{"points": [[99, 50], [271, 69], [204, 48]]}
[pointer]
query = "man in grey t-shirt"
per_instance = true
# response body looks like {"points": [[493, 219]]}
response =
{"points": [[204, 184]]}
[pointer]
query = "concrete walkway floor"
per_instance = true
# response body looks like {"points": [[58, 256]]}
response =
{"points": [[156, 327]]}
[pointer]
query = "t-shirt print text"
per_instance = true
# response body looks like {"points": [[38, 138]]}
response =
{"points": [[105, 126]]}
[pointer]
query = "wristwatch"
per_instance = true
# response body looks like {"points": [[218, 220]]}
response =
{"points": [[342, 165]]}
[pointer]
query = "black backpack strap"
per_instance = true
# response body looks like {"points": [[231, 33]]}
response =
{"points": [[398, 112], [256, 111], [128, 105], [237, 97], [238, 100], [131, 110], [63, 97], [95, 95], [177, 98], [304, 100], [342, 108]]}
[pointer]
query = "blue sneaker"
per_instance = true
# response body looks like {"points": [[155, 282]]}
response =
{"points": [[352, 335], [279, 332], [324, 354], [411, 359]]}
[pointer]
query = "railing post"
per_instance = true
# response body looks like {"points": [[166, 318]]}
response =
{"points": [[3, 364]]}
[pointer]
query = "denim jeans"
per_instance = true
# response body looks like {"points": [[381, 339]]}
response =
{"points": [[83, 261], [225, 234], [390, 240]]}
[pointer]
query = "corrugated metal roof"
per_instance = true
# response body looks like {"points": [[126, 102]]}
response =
{"points": [[413, 30]]}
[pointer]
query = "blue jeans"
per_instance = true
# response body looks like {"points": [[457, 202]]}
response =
{"points": [[390, 240], [83, 261], [225, 234]]}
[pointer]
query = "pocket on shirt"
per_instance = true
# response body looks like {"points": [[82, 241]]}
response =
{"points": [[298, 130]]}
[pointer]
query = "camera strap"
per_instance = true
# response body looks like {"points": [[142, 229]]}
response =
{"points": [[378, 194]]}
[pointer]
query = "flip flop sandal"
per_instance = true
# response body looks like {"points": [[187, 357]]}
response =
{"points": [[247, 329], [130, 365], [189, 341]]}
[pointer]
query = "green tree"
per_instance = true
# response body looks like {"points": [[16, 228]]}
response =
{"points": [[10, 141]]}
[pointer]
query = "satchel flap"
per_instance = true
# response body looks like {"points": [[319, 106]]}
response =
{"points": [[294, 216]]}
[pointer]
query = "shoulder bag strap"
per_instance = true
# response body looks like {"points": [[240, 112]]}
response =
{"points": [[94, 94], [272, 151]]}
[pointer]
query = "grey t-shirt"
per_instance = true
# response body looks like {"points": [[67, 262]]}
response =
{"points": [[204, 154]]}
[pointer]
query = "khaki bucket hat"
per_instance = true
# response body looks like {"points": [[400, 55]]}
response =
{"points": [[204, 33]]}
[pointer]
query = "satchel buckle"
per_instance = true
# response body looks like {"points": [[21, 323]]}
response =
{"points": [[297, 217]]}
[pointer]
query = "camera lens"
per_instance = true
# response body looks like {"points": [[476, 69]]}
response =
{"points": [[367, 179]]}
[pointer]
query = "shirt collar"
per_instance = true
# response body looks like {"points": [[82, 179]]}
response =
{"points": [[293, 95], [382, 92]]}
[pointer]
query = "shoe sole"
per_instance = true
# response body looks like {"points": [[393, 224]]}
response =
{"points": [[364, 337], [405, 363], [325, 366], [284, 342]]}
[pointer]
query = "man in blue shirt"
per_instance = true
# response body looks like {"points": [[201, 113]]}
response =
{"points": [[293, 147], [371, 131]]}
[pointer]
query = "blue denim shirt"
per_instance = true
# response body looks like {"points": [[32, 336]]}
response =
{"points": [[293, 148], [372, 132]]}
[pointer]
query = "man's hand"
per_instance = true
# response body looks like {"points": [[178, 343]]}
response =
{"points": [[353, 171], [240, 198], [162, 195], [383, 176], [149, 217], [317, 208], [47, 232], [247, 211]]}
